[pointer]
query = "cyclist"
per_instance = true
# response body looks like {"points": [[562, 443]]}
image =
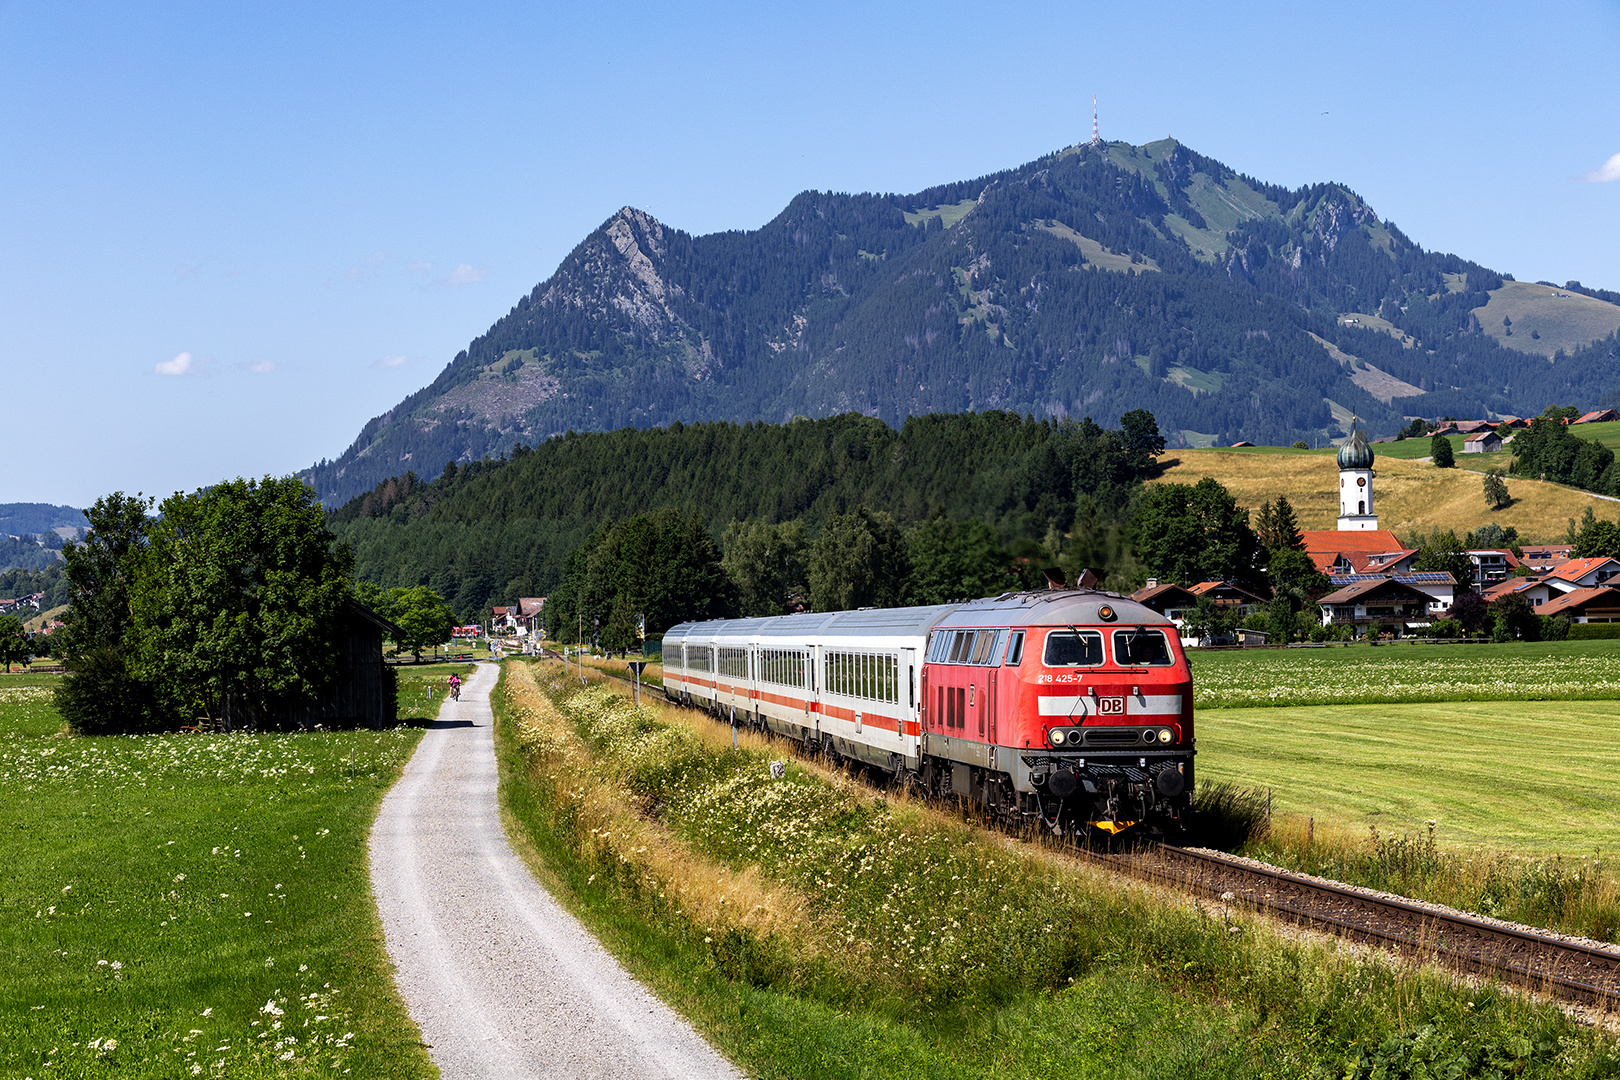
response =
{"points": [[455, 687]]}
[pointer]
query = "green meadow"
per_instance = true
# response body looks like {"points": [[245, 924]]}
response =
{"points": [[195, 905]]}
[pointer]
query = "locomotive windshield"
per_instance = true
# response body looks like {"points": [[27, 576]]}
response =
{"points": [[1073, 648], [1141, 648]]}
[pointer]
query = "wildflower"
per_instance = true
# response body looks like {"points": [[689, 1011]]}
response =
{"points": [[270, 1009]]}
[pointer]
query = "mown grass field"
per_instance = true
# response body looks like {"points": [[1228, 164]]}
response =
{"points": [[814, 927], [193, 905], [1531, 777], [1408, 495], [1406, 672]]}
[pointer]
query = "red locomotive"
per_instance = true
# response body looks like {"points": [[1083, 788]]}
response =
{"points": [[1071, 706]]}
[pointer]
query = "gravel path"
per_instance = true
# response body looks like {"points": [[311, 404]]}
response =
{"points": [[501, 980]]}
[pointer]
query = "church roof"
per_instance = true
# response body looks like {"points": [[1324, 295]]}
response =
{"points": [[1357, 453]]}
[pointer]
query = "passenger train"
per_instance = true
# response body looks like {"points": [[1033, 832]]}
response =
{"points": [[1072, 707]]}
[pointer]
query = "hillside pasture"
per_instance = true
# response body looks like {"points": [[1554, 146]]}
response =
{"points": [[1408, 495], [1564, 320]]}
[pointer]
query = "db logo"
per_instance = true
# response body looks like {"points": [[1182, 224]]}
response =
{"points": [[1111, 706]]}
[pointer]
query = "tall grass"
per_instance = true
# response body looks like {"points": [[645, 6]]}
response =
{"points": [[814, 927], [1573, 895]]}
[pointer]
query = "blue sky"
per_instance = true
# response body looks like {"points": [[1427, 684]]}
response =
{"points": [[301, 212]]}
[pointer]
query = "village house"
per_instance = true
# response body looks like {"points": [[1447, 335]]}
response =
{"points": [[528, 614], [1438, 585], [1582, 574], [1536, 591], [1601, 416], [1483, 442], [1376, 601], [1589, 605], [1492, 565], [1540, 558], [1228, 597], [1336, 551]]}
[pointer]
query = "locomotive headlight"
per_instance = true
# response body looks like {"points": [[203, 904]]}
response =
{"points": [[1165, 734], [1056, 735]]}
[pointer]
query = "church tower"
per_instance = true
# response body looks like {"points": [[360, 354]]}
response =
{"points": [[1355, 484]]}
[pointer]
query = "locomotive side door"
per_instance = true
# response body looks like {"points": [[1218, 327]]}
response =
{"points": [[990, 705]]}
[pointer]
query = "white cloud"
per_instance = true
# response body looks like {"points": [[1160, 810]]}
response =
{"points": [[371, 262], [388, 362], [262, 367], [417, 266], [1608, 173], [180, 365], [465, 274]]}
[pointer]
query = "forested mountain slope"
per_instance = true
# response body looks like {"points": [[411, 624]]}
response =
{"points": [[1093, 281], [491, 531]]}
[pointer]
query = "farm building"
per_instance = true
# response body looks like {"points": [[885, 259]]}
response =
{"points": [[362, 694], [1483, 442]]}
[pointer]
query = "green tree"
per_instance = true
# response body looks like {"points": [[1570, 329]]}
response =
{"points": [[423, 617], [1277, 527], [15, 648], [952, 561], [1208, 621], [765, 561], [1496, 491], [1596, 537], [1516, 617], [103, 691], [1440, 449], [240, 599], [1443, 552], [1192, 533], [859, 560]]}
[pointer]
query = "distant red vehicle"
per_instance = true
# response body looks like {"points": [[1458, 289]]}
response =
{"points": [[1072, 707]]}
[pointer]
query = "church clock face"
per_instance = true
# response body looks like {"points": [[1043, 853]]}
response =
{"points": [[1361, 481]]}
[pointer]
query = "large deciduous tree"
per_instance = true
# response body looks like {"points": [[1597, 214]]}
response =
{"points": [[240, 598], [859, 560], [103, 690], [765, 561], [421, 614], [1192, 533], [955, 561]]}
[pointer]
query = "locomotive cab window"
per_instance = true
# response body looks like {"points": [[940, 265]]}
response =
{"points": [[1141, 648], [1015, 649], [1073, 648]]}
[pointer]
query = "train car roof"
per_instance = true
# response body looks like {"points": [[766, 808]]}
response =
{"points": [[877, 622], [1053, 607], [1041, 607]]}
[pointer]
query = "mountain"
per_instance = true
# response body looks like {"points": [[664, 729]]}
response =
{"points": [[1093, 281]]}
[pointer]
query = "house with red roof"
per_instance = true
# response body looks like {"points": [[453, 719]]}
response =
{"points": [[1357, 552], [1375, 601], [527, 613], [1599, 417], [1228, 597], [1541, 558], [1582, 574], [1594, 605], [1532, 589]]}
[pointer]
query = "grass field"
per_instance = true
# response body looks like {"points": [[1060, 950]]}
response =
{"points": [[1532, 777], [193, 905], [815, 928], [1407, 672], [1564, 320], [1407, 494]]}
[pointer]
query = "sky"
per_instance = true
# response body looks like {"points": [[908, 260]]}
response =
{"points": [[231, 234]]}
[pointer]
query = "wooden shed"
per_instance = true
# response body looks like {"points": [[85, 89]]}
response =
{"points": [[362, 694]]}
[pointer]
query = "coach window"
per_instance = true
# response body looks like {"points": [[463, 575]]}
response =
{"points": [[1015, 649], [1141, 648], [1073, 648]]}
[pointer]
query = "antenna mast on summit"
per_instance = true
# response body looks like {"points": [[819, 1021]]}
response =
{"points": [[1096, 140]]}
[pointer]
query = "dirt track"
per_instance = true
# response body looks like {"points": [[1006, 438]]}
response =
{"points": [[501, 980]]}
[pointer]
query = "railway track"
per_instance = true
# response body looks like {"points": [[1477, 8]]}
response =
{"points": [[1540, 962]]}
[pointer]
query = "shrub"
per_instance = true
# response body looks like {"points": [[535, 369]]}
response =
{"points": [[1445, 628], [1593, 631], [1226, 816], [1554, 627], [102, 696]]}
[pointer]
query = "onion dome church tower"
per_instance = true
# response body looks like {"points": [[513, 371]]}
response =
{"points": [[1355, 483]]}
